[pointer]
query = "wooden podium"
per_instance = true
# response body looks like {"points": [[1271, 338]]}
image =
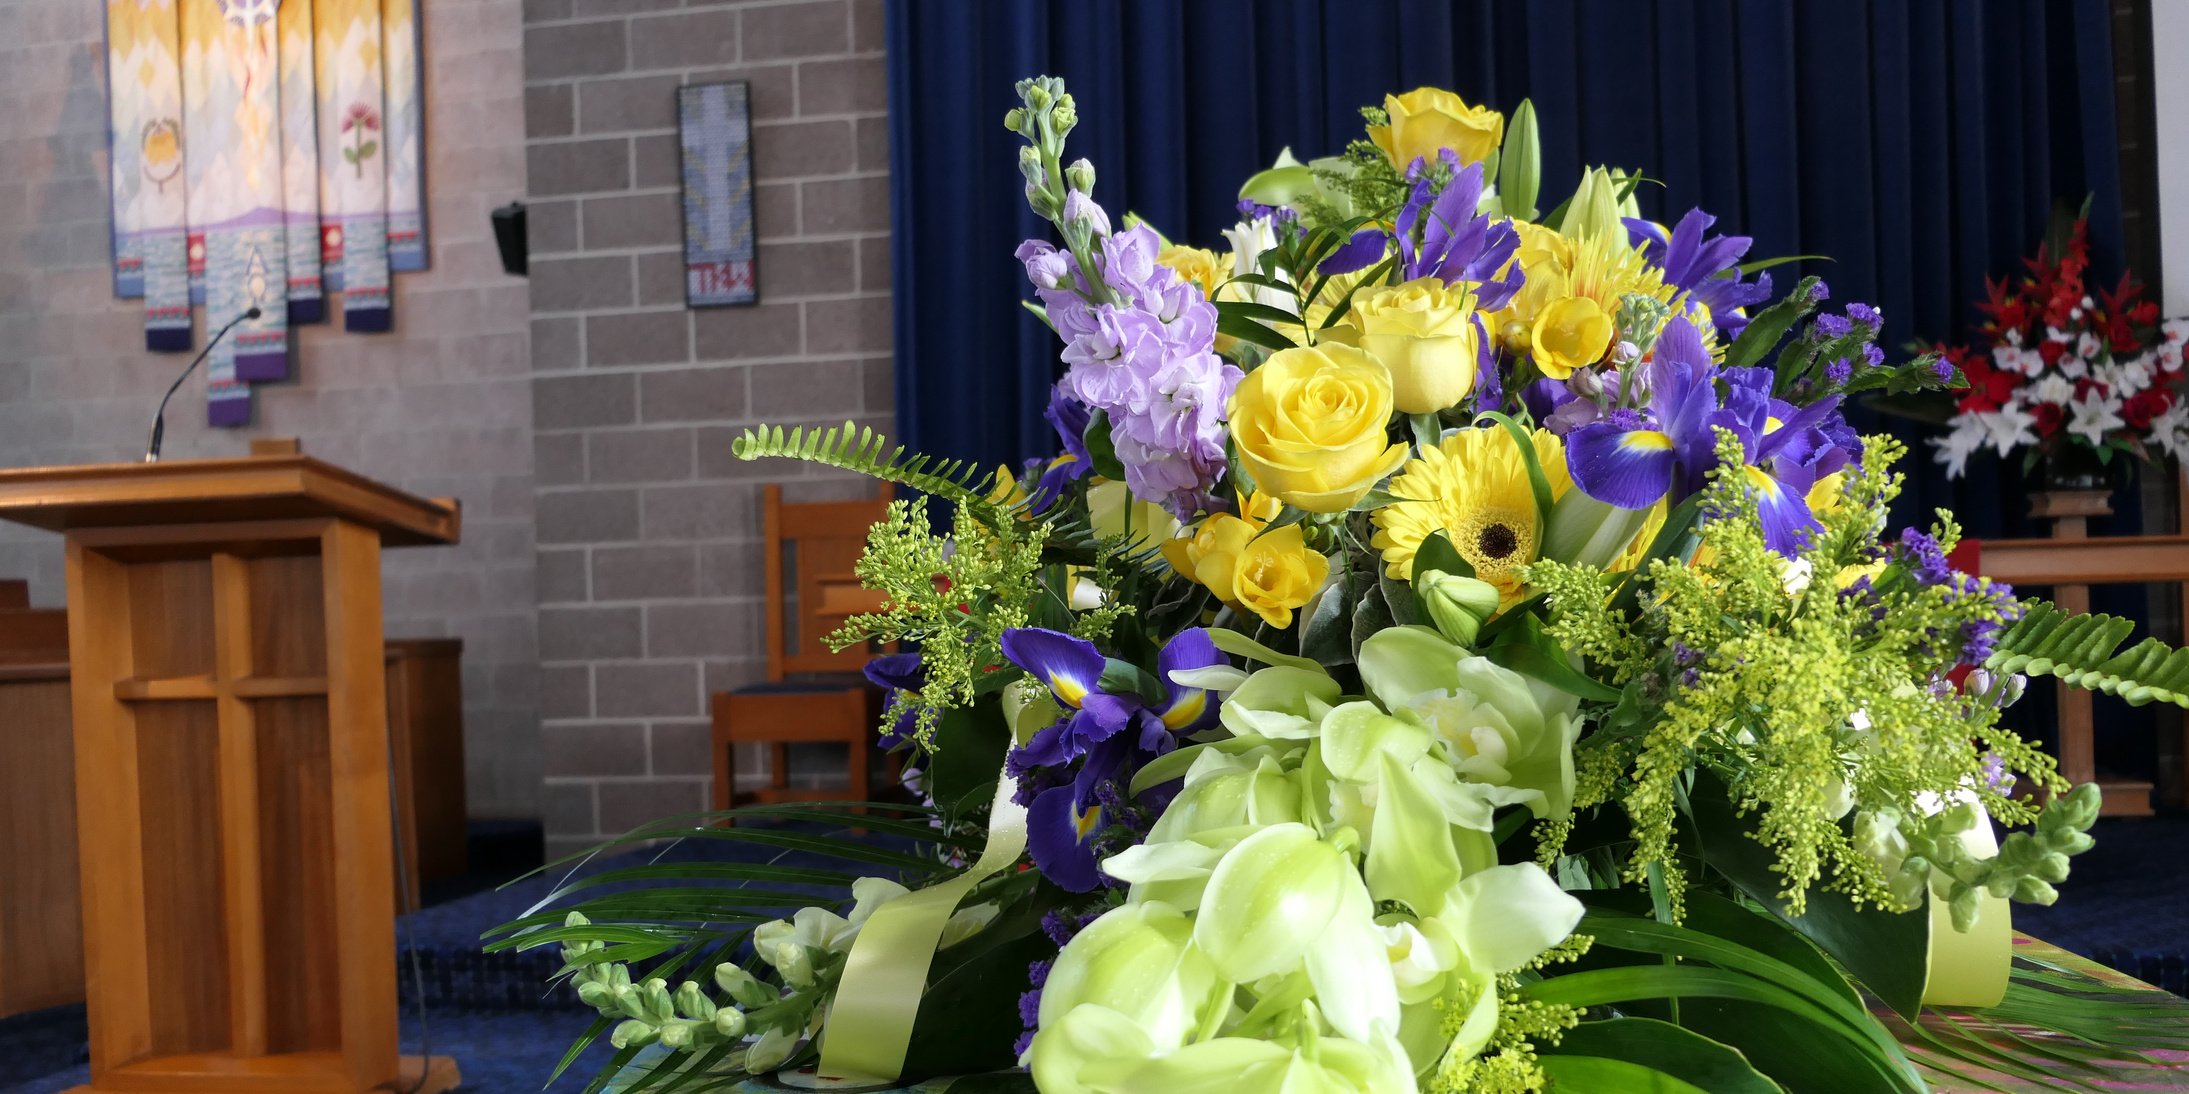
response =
{"points": [[232, 768]]}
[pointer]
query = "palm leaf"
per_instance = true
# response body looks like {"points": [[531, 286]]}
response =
{"points": [[1687, 1057], [860, 449], [2079, 649]]}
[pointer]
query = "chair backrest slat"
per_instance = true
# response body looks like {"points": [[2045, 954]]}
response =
{"points": [[821, 543]]}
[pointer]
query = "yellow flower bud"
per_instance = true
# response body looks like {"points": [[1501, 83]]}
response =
{"points": [[1570, 334]]}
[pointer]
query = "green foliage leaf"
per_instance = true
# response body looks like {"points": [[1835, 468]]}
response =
{"points": [[860, 449], [1101, 450], [1437, 553], [2079, 650], [1537, 482], [969, 747], [1884, 951], [1770, 325], [1695, 1061], [1602, 1073]]}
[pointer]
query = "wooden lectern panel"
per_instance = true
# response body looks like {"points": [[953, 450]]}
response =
{"points": [[232, 767], [251, 854]]}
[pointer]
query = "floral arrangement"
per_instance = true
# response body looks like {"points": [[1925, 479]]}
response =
{"points": [[2068, 374], [1457, 646]]}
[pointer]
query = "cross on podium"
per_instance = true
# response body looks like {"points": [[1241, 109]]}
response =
{"points": [[2070, 562]]}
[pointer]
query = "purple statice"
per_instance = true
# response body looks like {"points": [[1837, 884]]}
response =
{"points": [[1979, 636], [1865, 315], [1831, 326], [1925, 560], [1943, 369], [1872, 355], [1144, 356], [1840, 371], [1279, 215], [1819, 292]]}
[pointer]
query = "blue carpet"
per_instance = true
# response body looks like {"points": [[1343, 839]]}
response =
{"points": [[2126, 903]]}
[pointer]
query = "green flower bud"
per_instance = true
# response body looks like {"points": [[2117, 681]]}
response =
{"points": [[657, 998], [729, 1022], [742, 986], [1964, 906], [693, 1003], [596, 995], [1587, 532], [1014, 119], [1459, 606], [632, 1034], [796, 965], [1065, 117], [1036, 95], [2031, 890], [630, 1000], [769, 1052], [1080, 176], [676, 1034], [1520, 163]]}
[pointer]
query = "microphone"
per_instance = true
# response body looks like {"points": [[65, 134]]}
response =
{"points": [[159, 418]]}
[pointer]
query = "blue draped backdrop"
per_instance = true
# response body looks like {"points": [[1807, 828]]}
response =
{"points": [[1918, 143]]}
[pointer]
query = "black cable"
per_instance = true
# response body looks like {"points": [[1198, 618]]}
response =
{"points": [[402, 883]]}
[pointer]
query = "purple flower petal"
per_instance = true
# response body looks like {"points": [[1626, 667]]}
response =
{"points": [[1071, 667], [1620, 463], [1365, 249]]}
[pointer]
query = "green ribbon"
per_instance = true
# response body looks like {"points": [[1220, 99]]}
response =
{"points": [[1970, 969], [869, 1026]]}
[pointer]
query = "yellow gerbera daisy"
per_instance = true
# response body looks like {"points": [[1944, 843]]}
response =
{"points": [[1474, 488], [1605, 269]]}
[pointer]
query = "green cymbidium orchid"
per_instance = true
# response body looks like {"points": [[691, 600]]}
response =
{"points": [[1493, 725], [1138, 961], [1280, 701]]}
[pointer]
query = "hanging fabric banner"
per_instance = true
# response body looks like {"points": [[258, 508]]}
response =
{"points": [[300, 163], [232, 118], [145, 166], [401, 36], [352, 164]]}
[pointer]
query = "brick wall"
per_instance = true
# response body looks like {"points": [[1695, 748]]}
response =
{"points": [[440, 406], [648, 529]]}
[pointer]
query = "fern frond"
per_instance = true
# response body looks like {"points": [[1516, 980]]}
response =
{"points": [[860, 449], [2079, 650]]}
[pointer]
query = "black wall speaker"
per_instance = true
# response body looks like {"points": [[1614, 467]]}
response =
{"points": [[509, 236]]}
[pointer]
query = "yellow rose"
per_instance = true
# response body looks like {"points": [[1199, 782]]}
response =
{"points": [[1278, 573], [1424, 332], [1569, 334], [1425, 120], [1311, 426]]}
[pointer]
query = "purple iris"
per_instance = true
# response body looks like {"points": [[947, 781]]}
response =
{"points": [[1109, 736], [1635, 456], [1454, 243], [901, 676], [1070, 417], [1708, 269], [1632, 457]]}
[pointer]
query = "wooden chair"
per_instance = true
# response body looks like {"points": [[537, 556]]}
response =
{"points": [[811, 693]]}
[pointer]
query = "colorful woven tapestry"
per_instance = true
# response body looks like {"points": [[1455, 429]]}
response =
{"points": [[144, 97], [404, 139], [259, 159]]}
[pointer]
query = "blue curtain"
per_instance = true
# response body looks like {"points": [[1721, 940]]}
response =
{"points": [[1918, 143]]}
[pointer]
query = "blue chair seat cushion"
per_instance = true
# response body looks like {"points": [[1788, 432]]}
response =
{"points": [[811, 685]]}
